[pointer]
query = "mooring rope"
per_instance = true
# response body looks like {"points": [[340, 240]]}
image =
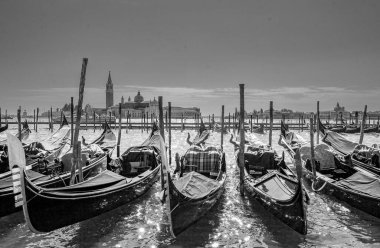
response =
{"points": [[313, 185]]}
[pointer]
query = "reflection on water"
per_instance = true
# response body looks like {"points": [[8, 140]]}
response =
{"points": [[234, 221]]}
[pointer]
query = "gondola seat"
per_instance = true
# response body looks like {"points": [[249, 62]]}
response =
{"points": [[259, 162], [205, 161], [66, 161], [137, 161]]}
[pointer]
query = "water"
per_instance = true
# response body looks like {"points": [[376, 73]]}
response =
{"points": [[233, 222]]}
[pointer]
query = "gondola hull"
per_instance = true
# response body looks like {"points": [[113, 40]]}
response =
{"points": [[361, 201], [292, 212], [338, 129], [185, 211], [258, 130], [337, 188], [352, 130], [7, 195], [371, 129], [68, 209]]}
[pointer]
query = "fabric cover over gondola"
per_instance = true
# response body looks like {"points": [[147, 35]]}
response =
{"points": [[99, 182], [339, 142], [275, 188], [195, 185], [362, 182]]}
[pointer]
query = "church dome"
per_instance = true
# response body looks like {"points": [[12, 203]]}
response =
{"points": [[138, 97]]}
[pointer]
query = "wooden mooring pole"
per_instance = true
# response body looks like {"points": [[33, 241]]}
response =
{"points": [[19, 123], [48, 119], [312, 156], [251, 124], [72, 120], [119, 133], [362, 125], [38, 111], [77, 144], [229, 122], [222, 132], [242, 139], [270, 122], [170, 131], [94, 120], [34, 119], [161, 117], [317, 123], [51, 119]]}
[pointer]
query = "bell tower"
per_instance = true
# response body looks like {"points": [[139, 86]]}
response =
{"points": [[109, 91]]}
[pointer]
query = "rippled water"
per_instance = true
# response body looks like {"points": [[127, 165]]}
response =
{"points": [[233, 222]]}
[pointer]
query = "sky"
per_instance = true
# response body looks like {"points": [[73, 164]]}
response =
{"points": [[193, 53]]}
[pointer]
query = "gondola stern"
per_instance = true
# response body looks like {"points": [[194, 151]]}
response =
{"points": [[24, 184]]}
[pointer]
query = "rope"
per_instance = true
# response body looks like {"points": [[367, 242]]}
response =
{"points": [[313, 185]]}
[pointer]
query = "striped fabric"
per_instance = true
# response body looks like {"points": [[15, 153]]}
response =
{"points": [[202, 160]]}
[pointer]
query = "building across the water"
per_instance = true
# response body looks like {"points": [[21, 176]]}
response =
{"points": [[338, 113], [136, 108]]}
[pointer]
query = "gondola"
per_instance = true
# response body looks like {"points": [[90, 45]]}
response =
{"points": [[47, 149], [4, 167], [373, 129], [199, 183], [269, 181], [355, 186], [53, 170], [3, 128], [338, 129], [352, 129], [25, 131], [218, 128], [360, 155], [106, 139], [258, 130], [201, 136], [135, 174]]}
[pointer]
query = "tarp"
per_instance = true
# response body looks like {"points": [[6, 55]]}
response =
{"points": [[276, 188], [362, 183], [195, 185], [101, 181], [339, 142], [322, 154], [55, 140], [154, 140]]}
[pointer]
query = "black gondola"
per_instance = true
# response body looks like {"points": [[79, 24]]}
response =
{"points": [[338, 129], [201, 136], [258, 130], [352, 129], [358, 187], [199, 185], [49, 171], [360, 155], [108, 190], [269, 181], [3, 128], [373, 129]]}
